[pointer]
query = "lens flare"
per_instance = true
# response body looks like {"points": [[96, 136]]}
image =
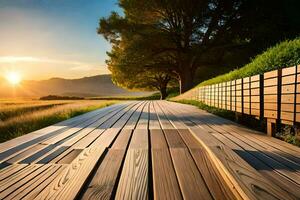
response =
{"points": [[13, 78]]}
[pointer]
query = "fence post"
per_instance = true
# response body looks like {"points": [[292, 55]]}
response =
{"points": [[279, 88], [295, 95], [261, 97]]}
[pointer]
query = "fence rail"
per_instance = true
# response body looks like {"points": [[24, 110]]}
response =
{"points": [[274, 96]]}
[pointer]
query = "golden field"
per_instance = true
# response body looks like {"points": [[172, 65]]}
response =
{"points": [[21, 116]]}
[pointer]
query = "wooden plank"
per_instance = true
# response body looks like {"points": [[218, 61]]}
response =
{"points": [[244, 177], [133, 183], [287, 116], [255, 84], [254, 78], [270, 82], [131, 123], [158, 140], [21, 182], [15, 177], [255, 99], [288, 89], [12, 169], [139, 139], [282, 166], [153, 119], [288, 79], [270, 98], [124, 119], [87, 140], [270, 106], [53, 155], [33, 187], [213, 179], [72, 179], [121, 142], [144, 118], [105, 138], [105, 178], [112, 119], [271, 74], [287, 98], [287, 107], [190, 180], [26, 153], [288, 71], [172, 119], [164, 122], [270, 114], [165, 183], [70, 157], [189, 139], [173, 138], [92, 123], [264, 169]]}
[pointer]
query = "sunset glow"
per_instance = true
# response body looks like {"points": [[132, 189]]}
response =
{"points": [[14, 78]]}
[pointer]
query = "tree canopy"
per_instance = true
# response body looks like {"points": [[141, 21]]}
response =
{"points": [[177, 37]]}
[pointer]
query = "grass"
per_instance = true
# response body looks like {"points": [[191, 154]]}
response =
{"points": [[22, 117], [284, 54]]}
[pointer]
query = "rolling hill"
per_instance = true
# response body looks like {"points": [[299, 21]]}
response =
{"points": [[94, 86]]}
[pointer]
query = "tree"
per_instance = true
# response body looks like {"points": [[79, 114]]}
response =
{"points": [[188, 34], [129, 71]]}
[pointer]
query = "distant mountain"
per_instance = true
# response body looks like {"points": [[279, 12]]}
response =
{"points": [[94, 86]]}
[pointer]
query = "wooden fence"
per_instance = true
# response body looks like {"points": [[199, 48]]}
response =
{"points": [[274, 96]]}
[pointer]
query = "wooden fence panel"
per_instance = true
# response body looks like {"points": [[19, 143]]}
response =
{"points": [[223, 96], [297, 97], [270, 94], [289, 79], [255, 95], [246, 95], [233, 96], [238, 95], [275, 95], [228, 95]]}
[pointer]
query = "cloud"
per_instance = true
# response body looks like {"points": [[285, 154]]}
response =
{"points": [[83, 68], [15, 59]]}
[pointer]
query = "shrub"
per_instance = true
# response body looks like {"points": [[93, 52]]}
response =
{"points": [[284, 54]]}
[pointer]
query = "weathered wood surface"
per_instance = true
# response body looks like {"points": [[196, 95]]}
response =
{"points": [[150, 150]]}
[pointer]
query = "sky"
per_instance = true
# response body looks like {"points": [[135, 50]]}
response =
{"points": [[41, 39]]}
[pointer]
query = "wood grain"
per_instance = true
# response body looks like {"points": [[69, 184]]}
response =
{"points": [[104, 180], [165, 183], [133, 183], [190, 180]]}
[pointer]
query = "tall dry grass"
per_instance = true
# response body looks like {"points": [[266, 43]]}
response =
{"points": [[31, 117]]}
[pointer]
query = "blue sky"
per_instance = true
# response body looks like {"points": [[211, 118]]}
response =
{"points": [[53, 38]]}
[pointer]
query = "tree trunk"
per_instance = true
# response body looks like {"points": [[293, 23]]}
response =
{"points": [[186, 81], [163, 92]]}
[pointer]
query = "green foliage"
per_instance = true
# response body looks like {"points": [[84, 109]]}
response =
{"points": [[284, 54], [177, 37]]}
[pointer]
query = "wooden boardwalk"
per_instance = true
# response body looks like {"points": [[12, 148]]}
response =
{"points": [[148, 150]]}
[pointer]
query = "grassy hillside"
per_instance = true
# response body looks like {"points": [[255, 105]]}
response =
{"points": [[284, 54]]}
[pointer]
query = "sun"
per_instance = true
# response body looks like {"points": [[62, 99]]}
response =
{"points": [[13, 78]]}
